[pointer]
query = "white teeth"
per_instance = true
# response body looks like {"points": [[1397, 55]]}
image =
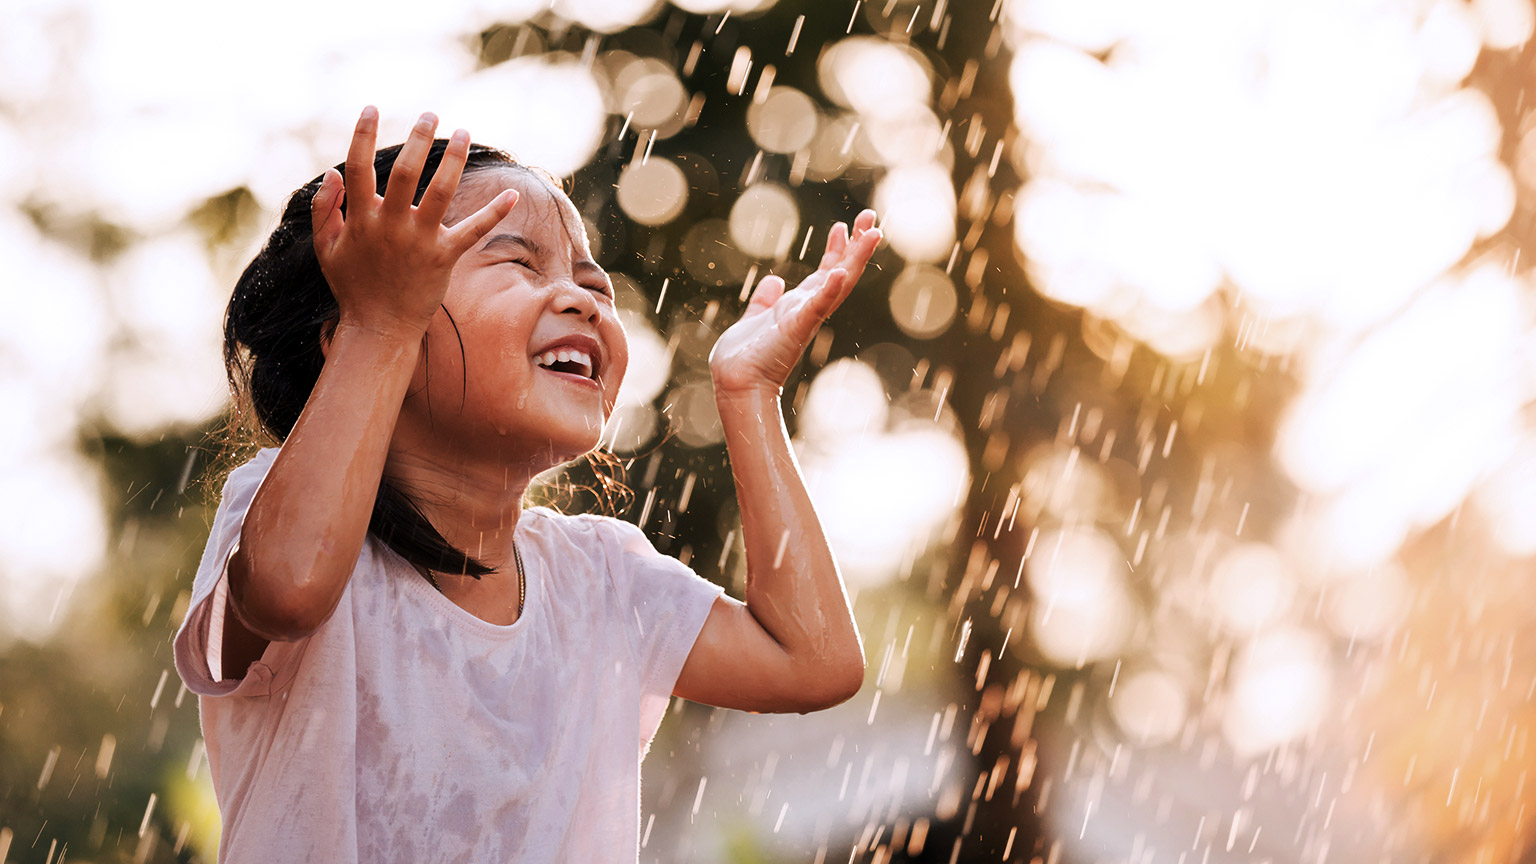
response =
{"points": [[566, 355]]}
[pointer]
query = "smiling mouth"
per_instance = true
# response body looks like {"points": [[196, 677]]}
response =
{"points": [[571, 361]]}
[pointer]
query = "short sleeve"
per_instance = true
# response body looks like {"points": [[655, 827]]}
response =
{"points": [[199, 642], [667, 604]]}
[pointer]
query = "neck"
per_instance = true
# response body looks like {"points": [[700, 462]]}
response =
{"points": [[475, 505]]}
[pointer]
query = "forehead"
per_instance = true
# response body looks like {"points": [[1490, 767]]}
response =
{"points": [[543, 212]]}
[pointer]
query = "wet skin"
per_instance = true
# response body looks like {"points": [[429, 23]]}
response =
{"points": [[467, 432]]}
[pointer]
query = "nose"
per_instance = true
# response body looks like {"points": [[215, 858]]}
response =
{"points": [[573, 299]]}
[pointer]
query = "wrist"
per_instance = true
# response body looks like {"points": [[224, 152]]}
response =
{"points": [[390, 345], [382, 330], [746, 412], [752, 395]]}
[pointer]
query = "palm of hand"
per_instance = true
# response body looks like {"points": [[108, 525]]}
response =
{"points": [[760, 349]]}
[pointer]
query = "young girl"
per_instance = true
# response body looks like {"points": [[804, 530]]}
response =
{"points": [[395, 660]]}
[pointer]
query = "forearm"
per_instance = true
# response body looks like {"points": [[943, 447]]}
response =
{"points": [[794, 589], [307, 522]]}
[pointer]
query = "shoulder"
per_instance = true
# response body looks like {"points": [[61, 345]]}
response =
{"points": [[587, 526], [567, 538], [246, 477], [241, 485], [610, 543]]}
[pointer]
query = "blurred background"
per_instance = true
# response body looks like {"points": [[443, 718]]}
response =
{"points": [[1180, 448]]}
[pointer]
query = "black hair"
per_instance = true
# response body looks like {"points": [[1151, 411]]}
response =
{"points": [[273, 328]]}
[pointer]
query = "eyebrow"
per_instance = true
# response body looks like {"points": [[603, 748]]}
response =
{"points": [[517, 239], [590, 267]]}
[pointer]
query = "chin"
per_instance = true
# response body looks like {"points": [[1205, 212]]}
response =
{"points": [[564, 444]]}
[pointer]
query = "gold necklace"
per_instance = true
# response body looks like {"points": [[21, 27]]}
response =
{"points": [[522, 580]]}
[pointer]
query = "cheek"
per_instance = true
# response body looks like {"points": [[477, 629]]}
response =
{"points": [[476, 352], [618, 364]]}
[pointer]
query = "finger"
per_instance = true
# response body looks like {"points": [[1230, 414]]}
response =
{"points": [[767, 293], [859, 252], [812, 283], [837, 241], [445, 181], [468, 232], [823, 302], [401, 190], [863, 222], [833, 292], [325, 210], [361, 179]]}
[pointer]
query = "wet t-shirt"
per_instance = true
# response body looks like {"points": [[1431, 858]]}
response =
{"points": [[406, 729]]}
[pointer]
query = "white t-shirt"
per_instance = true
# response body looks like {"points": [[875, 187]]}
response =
{"points": [[406, 729]]}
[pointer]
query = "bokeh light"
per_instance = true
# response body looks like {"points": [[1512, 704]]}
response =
{"points": [[923, 301], [649, 95], [874, 77], [634, 420], [1280, 691], [1150, 706], [884, 482], [784, 121], [1252, 588], [653, 192], [604, 16], [1083, 609], [847, 400], [765, 221], [918, 203], [832, 148], [1387, 400], [712, 6], [1061, 485], [692, 407]]}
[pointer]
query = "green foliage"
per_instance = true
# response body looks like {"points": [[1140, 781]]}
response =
{"points": [[93, 722]]}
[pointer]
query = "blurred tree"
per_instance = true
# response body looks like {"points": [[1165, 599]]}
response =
{"points": [[95, 721]]}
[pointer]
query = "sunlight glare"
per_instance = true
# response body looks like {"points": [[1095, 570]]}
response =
{"points": [[1279, 692], [53, 533], [547, 111]]}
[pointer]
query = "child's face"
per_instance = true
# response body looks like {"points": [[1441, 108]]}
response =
{"points": [[523, 296]]}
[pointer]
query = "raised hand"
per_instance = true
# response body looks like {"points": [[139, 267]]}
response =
{"points": [[387, 260], [760, 349]]}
